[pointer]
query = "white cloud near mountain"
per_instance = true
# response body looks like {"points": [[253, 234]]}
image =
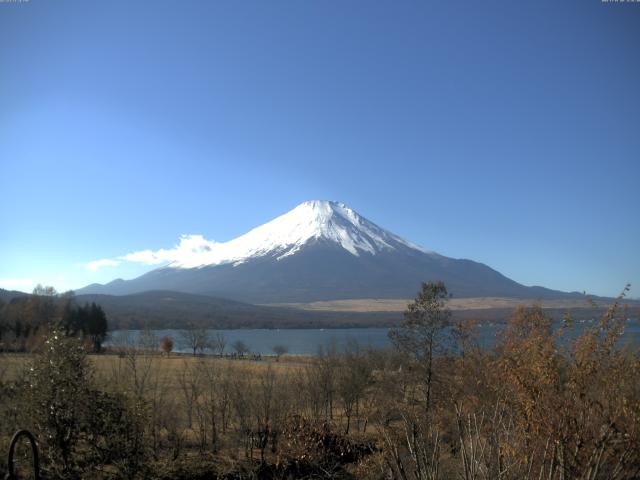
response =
{"points": [[105, 262], [192, 250]]}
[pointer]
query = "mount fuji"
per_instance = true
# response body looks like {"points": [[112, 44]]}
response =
{"points": [[318, 251]]}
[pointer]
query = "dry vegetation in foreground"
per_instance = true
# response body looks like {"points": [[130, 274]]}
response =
{"points": [[542, 404]]}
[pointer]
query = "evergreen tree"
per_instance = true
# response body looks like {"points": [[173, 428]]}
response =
{"points": [[97, 326], [423, 332]]}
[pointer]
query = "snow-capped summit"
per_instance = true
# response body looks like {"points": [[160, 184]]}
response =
{"points": [[320, 250], [285, 235]]}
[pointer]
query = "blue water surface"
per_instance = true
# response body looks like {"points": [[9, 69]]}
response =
{"points": [[309, 341]]}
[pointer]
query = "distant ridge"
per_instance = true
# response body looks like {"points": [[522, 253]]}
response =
{"points": [[8, 295], [166, 309], [177, 310]]}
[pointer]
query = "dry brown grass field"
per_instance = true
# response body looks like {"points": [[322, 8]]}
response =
{"points": [[12, 365], [455, 304]]}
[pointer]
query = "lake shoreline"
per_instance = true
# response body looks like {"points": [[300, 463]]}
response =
{"points": [[309, 341]]}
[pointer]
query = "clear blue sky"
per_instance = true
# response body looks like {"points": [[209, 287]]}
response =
{"points": [[505, 132]]}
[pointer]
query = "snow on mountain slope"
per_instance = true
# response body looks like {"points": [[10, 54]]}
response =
{"points": [[286, 234], [318, 251]]}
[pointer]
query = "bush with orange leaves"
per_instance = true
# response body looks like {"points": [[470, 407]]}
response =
{"points": [[549, 401], [561, 405]]}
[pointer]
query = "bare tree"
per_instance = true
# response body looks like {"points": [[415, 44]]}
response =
{"points": [[160, 403], [280, 350], [311, 391], [413, 451], [324, 376], [240, 347], [197, 339], [189, 382], [139, 360], [131, 370], [214, 400], [241, 392], [261, 405], [354, 376], [218, 343], [148, 341], [270, 407]]}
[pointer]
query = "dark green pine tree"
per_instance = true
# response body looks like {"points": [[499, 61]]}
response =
{"points": [[97, 326]]}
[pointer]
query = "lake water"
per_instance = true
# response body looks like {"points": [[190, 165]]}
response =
{"points": [[308, 341]]}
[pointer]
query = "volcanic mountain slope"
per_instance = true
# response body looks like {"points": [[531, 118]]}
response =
{"points": [[320, 250]]}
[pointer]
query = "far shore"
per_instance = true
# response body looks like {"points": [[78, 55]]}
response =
{"points": [[457, 304]]}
